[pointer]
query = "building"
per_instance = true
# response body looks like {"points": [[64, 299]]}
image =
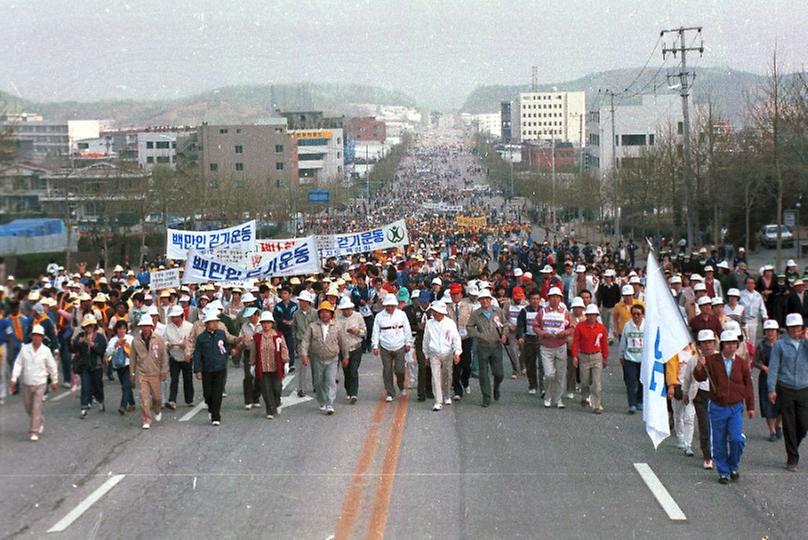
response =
{"points": [[638, 124], [264, 152], [489, 124], [20, 187], [311, 120], [366, 129], [157, 148], [506, 126], [549, 116], [544, 156], [38, 139], [320, 155]]}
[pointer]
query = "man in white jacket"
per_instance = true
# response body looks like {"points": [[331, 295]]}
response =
{"points": [[35, 363], [442, 348]]}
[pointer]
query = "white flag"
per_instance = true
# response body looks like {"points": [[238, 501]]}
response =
{"points": [[664, 337]]}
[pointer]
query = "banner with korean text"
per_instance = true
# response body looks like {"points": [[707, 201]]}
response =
{"points": [[297, 260], [392, 235], [165, 279], [240, 238]]}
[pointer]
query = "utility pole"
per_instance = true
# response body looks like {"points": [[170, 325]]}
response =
{"points": [[615, 176], [684, 91]]}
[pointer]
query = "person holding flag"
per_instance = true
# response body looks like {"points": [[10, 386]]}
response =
{"points": [[730, 385]]}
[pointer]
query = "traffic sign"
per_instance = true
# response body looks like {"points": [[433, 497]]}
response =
{"points": [[321, 196], [789, 218]]}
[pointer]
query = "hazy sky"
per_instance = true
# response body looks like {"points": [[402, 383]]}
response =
{"points": [[435, 51]]}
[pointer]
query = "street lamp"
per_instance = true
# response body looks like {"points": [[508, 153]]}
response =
{"points": [[797, 227]]}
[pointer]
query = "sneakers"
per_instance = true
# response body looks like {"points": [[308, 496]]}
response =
{"points": [[34, 437], [791, 467], [584, 403], [215, 422], [447, 401], [130, 408], [569, 395], [532, 391], [773, 437], [437, 407], [723, 480], [146, 426], [224, 394], [322, 408], [456, 397], [172, 405], [41, 429], [270, 417], [680, 445], [547, 403], [158, 417], [248, 406], [514, 375], [560, 405], [467, 390], [301, 393], [388, 399], [66, 385], [632, 410], [708, 464], [734, 475], [353, 400], [689, 452], [599, 410], [83, 414], [329, 410]]}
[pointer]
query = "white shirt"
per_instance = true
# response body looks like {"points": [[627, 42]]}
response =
{"points": [[441, 338], [753, 305], [35, 366], [176, 335], [326, 327], [392, 332]]}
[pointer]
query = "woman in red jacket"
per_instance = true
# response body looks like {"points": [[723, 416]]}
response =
{"points": [[268, 356]]}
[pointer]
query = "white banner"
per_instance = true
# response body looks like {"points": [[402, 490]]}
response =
{"points": [[241, 238], [389, 236], [443, 207], [298, 260], [664, 337], [164, 279]]}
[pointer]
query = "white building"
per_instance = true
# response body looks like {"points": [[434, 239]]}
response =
{"points": [[488, 123], [637, 125], [550, 115], [320, 158], [40, 138], [157, 148]]}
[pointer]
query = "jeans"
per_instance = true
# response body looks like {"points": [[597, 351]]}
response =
{"points": [[92, 386], [325, 380], [368, 334], [212, 388], [352, 371], [726, 429], [66, 359], [631, 377], [125, 378], [290, 344], [187, 371]]}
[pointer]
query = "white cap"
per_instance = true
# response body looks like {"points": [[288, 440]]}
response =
{"points": [[247, 297], [439, 306], [528, 275], [632, 274], [580, 268], [577, 302], [771, 324], [793, 319], [734, 292], [518, 272], [609, 272], [266, 316], [176, 311], [709, 268], [37, 329], [216, 304], [483, 284], [696, 277], [723, 264], [676, 279], [211, 315], [555, 291], [733, 326], [790, 262], [145, 321], [390, 300], [305, 296], [718, 301], [633, 280], [152, 311], [627, 290], [706, 335], [547, 269], [592, 309], [699, 287], [729, 335], [485, 294], [704, 300], [437, 281], [345, 303], [473, 291]]}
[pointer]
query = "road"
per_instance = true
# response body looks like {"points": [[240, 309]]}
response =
{"points": [[377, 470]]}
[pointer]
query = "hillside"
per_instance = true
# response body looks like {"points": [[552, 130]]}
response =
{"points": [[729, 89], [228, 104]]}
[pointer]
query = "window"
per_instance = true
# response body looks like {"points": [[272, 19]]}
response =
{"points": [[278, 183], [308, 157], [149, 144], [163, 145], [651, 140], [238, 130], [163, 159], [223, 131], [312, 142], [279, 148], [214, 167], [680, 128], [239, 166], [279, 165], [239, 149], [633, 140], [174, 144], [84, 146], [150, 159]]}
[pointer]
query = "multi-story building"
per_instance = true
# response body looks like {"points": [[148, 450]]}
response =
{"points": [[264, 152], [312, 120], [320, 158], [366, 129], [489, 124], [638, 124], [545, 156], [157, 148], [548, 116], [38, 139]]}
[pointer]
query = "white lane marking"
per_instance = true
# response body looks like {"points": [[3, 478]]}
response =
{"points": [[61, 396], [659, 491], [287, 380], [74, 514], [291, 400], [190, 414]]}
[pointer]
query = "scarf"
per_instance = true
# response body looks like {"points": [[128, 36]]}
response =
{"points": [[16, 324]]}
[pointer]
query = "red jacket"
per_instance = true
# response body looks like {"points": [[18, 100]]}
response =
{"points": [[279, 364], [727, 391], [590, 340]]}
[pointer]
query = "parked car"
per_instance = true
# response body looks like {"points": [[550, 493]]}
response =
{"points": [[767, 236]]}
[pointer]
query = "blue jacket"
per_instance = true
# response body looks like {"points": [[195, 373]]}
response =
{"points": [[284, 313], [211, 351], [788, 366]]}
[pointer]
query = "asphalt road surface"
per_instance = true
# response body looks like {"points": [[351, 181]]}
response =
{"points": [[398, 470]]}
